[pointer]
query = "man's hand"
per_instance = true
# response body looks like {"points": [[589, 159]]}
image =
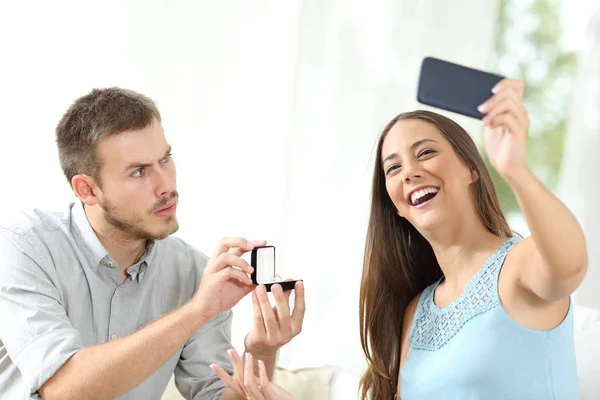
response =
{"points": [[225, 280], [274, 326]]}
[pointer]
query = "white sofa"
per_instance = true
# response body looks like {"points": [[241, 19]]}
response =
{"points": [[328, 384], [587, 348]]}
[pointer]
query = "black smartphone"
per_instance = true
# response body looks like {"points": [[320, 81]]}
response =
{"points": [[454, 87], [266, 271]]}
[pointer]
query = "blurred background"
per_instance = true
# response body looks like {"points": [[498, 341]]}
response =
{"points": [[273, 109]]}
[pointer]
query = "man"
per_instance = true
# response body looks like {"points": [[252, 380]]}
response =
{"points": [[100, 302]]}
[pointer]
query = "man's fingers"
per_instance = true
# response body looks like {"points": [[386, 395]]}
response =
{"points": [[283, 312], [249, 288], [258, 317], [287, 294], [232, 273], [225, 260], [227, 243], [299, 308], [238, 251], [269, 320]]}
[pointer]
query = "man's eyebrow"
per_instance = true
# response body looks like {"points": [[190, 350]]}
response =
{"points": [[138, 164]]}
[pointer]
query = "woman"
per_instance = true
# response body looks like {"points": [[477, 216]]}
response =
{"points": [[452, 305]]}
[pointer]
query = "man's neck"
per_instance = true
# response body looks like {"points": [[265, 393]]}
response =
{"points": [[124, 249]]}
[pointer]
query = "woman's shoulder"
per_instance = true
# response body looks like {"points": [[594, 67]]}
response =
{"points": [[412, 307], [407, 322], [409, 313]]}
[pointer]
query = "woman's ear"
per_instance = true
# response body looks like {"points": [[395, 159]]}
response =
{"points": [[474, 176]]}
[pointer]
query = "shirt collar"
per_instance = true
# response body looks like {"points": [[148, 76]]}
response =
{"points": [[94, 249], [87, 238]]}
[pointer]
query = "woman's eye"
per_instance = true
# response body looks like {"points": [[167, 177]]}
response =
{"points": [[392, 169], [425, 152]]}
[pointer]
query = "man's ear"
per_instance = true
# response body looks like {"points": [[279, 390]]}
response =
{"points": [[85, 189]]}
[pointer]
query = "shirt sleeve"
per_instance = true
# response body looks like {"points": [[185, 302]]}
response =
{"points": [[35, 329], [193, 377]]}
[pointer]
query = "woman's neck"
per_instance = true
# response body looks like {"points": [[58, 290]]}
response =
{"points": [[461, 249]]}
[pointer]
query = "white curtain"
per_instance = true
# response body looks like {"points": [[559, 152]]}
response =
{"points": [[272, 107], [357, 67], [579, 173]]}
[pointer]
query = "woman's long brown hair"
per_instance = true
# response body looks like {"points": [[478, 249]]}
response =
{"points": [[399, 262]]}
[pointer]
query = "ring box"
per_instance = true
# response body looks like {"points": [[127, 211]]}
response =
{"points": [[265, 269]]}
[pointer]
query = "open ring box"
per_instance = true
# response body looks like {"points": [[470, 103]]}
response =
{"points": [[266, 271]]}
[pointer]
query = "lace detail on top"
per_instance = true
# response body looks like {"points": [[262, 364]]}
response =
{"points": [[433, 327]]}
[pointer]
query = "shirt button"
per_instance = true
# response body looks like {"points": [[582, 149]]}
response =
{"points": [[114, 337], [117, 293], [109, 264]]}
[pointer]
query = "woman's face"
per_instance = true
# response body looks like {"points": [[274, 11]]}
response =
{"points": [[425, 179]]}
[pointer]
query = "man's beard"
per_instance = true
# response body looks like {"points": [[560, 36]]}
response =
{"points": [[130, 226]]}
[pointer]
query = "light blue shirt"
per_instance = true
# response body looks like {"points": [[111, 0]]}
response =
{"points": [[60, 291], [472, 350]]}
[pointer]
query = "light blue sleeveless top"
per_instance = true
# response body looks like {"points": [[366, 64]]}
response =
{"points": [[472, 350]]}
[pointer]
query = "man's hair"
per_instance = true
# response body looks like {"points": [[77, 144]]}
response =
{"points": [[93, 117]]}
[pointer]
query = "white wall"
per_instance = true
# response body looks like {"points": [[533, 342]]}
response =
{"points": [[579, 173], [272, 108], [357, 67], [221, 80]]}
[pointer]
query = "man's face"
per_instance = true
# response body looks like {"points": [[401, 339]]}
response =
{"points": [[138, 195]]}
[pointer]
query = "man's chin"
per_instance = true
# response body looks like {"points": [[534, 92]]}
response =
{"points": [[173, 227]]}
